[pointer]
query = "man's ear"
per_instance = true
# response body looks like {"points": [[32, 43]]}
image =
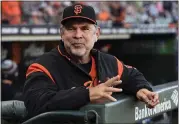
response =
{"points": [[97, 33], [61, 33], [96, 39], [61, 37]]}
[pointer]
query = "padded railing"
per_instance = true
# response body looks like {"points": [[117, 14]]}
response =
{"points": [[13, 109], [129, 110], [125, 110]]}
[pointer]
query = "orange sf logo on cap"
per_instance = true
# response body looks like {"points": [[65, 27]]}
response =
{"points": [[78, 9]]}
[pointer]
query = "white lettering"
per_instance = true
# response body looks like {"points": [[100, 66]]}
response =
{"points": [[155, 110], [25, 30], [136, 113], [162, 107], [150, 112], [53, 31], [39, 31], [10, 30], [174, 97], [169, 105], [146, 112], [142, 115]]}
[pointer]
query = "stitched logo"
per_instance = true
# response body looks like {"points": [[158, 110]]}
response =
{"points": [[78, 9], [88, 84]]}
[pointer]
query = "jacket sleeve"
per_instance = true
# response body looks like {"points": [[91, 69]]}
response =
{"points": [[132, 79], [42, 95]]}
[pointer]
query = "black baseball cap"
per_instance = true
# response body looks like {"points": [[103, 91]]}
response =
{"points": [[79, 11]]}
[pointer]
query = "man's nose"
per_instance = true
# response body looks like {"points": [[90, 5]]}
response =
{"points": [[78, 33]]}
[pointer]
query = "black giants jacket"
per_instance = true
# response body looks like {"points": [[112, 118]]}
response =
{"points": [[54, 82]]}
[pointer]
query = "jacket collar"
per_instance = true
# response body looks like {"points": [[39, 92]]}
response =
{"points": [[95, 54]]}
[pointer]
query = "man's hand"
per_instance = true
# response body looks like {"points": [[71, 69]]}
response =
{"points": [[105, 90], [150, 98]]}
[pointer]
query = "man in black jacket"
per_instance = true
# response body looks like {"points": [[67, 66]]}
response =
{"points": [[74, 74]]}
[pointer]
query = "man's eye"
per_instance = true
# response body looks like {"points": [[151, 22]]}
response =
{"points": [[70, 28], [85, 28]]}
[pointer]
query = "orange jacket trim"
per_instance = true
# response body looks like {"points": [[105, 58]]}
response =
{"points": [[120, 68], [62, 54], [93, 72], [38, 68]]}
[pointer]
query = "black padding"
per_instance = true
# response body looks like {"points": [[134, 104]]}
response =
{"points": [[13, 109]]}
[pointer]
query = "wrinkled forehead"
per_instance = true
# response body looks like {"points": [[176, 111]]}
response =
{"points": [[77, 21]]}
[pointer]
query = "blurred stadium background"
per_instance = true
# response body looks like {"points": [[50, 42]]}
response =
{"points": [[142, 34]]}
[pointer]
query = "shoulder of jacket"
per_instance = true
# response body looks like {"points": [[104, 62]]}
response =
{"points": [[48, 57], [106, 56]]}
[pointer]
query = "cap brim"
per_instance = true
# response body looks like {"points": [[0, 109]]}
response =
{"points": [[71, 17]]}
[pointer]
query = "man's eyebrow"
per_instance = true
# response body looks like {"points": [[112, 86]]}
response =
{"points": [[85, 26], [82, 26]]}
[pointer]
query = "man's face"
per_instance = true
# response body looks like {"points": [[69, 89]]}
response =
{"points": [[79, 37]]}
